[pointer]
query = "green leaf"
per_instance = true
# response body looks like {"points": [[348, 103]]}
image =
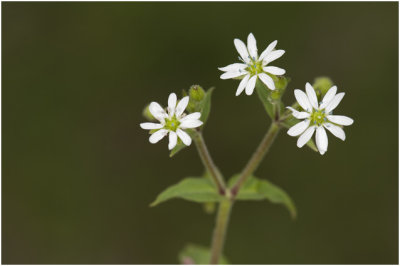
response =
{"points": [[205, 105], [291, 121], [259, 189], [196, 254], [192, 189]]}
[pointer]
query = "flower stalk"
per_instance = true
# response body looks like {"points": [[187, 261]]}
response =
{"points": [[257, 157], [209, 163]]}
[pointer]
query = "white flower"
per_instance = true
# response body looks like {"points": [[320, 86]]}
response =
{"points": [[172, 121], [318, 117], [253, 66]]}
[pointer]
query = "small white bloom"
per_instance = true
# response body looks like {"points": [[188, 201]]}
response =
{"points": [[172, 121], [318, 117], [253, 66]]}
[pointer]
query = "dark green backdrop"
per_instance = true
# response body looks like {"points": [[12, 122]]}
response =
{"points": [[79, 173]]}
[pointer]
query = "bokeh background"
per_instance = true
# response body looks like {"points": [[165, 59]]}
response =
{"points": [[79, 173]]}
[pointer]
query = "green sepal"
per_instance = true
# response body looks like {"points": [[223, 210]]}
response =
{"points": [[179, 145], [291, 121], [264, 94], [205, 105], [197, 189], [196, 254], [260, 189]]}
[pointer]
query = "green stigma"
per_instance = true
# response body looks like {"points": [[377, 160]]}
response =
{"points": [[318, 117], [172, 123], [254, 68]]}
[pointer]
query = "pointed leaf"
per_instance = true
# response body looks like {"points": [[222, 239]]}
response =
{"points": [[195, 254], [259, 189], [192, 189]]}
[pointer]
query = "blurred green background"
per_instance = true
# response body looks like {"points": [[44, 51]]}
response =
{"points": [[79, 172]]}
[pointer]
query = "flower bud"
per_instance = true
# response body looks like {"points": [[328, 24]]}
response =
{"points": [[146, 113], [196, 93], [280, 86], [322, 85]]}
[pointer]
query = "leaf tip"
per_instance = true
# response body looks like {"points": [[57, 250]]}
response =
{"points": [[153, 204]]}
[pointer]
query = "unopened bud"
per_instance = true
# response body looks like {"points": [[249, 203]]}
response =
{"points": [[322, 85], [196, 93], [280, 86], [146, 113]]}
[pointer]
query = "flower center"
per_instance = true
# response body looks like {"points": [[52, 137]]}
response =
{"points": [[254, 67], [318, 117], [172, 123]]}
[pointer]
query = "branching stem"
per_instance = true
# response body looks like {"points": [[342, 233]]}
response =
{"points": [[225, 206]]}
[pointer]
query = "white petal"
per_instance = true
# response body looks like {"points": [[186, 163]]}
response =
{"points": [[184, 137], [181, 105], [150, 126], [242, 85], [250, 85], [340, 120], [192, 116], [190, 123], [328, 97], [267, 80], [269, 49], [298, 128], [302, 99], [242, 50], [171, 104], [157, 111], [297, 114], [335, 130], [321, 140], [233, 67], [273, 56], [335, 102], [233, 74], [274, 70], [312, 96], [156, 136], [305, 137], [252, 46], [173, 139]]}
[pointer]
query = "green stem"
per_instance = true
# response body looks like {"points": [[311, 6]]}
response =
{"points": [[221, 227], [257, 157], [209, 163]]}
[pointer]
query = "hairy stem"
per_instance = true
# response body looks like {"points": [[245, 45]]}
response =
{"points": [[257, 157], [220, 229], [209, 163]]}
